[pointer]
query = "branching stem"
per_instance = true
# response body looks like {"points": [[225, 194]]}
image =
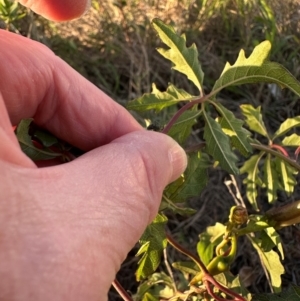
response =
{"points": [[207, 278], [182, 110], [273, 152], [260, 147]]}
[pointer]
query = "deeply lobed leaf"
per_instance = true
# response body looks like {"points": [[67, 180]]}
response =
{"points": [[185, 59], [254, 69], [153, 242], [254, 119], [157, 100]]}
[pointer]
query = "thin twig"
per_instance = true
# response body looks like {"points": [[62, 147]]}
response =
{"points": [[169, 269], [238, 192], [121, 291], [237, 195]]}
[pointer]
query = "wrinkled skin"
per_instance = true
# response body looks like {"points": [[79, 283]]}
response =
{"points": [[65, 229]]}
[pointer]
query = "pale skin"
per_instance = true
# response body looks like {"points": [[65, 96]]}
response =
{"points": [[65, 229]]}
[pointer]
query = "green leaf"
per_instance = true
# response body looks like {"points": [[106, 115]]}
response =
{"points": [[153, 242], [218, 145], [149, 297], [287, 125], [209, 240], [193, 180], [256, 68], [251, 167], [46, 138], [158, 100], [168, 204], [271, 179], [276, 240], [182, 128], [157, 285], [256, 223], [185, 59], [27, 145], [233, 127], [292, 294], [187, 267], [254, 119], [292, 140], [271, 262], [205, 248], [233, 283], [286, 174]]}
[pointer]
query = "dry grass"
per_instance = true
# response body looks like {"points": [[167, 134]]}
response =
{"points": [[113, 46]]}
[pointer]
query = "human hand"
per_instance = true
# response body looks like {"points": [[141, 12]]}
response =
{"points": [[66, 229]]}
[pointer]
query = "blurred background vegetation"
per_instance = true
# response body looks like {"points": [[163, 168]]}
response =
{"points": [[113, 46]]}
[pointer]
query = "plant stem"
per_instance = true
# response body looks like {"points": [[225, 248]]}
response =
{"points": [[227, 291], [182, 110], [279, 148], [186, 252], [261, 147], [273, 152], [207, 278], [195, 148], [121, 291]]}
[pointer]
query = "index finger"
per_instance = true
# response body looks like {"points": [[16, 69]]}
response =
{"points": [[58, 10], [36, 83]]}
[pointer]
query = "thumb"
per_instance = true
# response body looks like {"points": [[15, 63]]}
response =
{"points": [[128, 176], [90, 212]]}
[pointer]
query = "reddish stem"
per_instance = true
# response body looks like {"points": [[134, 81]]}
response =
{"points": [[297, 151], [279, 148], [121, 291], [222, 288], [207, 278], [182, 110], [186, 252]]}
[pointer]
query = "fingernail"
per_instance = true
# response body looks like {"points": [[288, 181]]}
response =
{"points": [[178, 160], [87, 5]]}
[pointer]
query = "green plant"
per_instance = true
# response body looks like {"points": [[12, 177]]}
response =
{"points": [[10, 12], [268, 167], [224, 142]]}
